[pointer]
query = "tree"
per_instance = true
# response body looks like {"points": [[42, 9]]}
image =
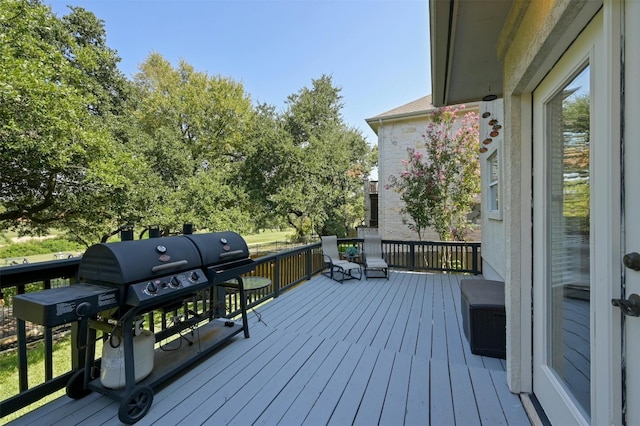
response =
{"points": [[195, 126], [58, 81], [307, 166], [576, 114], [440, 184]]}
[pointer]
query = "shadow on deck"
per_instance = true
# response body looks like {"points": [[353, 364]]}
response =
{"points": [[362, 352]]}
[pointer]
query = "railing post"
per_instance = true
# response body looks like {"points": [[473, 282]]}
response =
{"points": [[48, 344], [220, 301], [23, 381], [276, 276], [309, 264], [474, 260], [126, 234], [412, 256]]}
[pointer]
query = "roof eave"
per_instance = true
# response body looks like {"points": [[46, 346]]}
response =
{"points": [[464, 61]]}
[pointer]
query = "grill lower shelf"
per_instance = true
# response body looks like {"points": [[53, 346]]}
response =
{"points": [[168, 363]]}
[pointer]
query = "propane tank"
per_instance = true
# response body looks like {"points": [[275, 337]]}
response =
{"points": [[112, 373]]}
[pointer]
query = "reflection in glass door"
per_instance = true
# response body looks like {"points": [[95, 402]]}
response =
{"points": [[568, 229]]}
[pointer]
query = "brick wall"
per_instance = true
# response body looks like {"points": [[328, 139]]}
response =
{"points": [[394, 137]]}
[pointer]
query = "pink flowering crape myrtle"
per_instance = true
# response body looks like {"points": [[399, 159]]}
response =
{"points": [[441, 178]]}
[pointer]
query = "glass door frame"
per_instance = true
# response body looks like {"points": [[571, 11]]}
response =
{"points": [[559, 405]]}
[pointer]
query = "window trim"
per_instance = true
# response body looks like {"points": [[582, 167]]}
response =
{"points": [[494, 154]]}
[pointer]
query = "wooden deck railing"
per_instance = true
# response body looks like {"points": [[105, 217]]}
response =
{"points": [[285, 269]]}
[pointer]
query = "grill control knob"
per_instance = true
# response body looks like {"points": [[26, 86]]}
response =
{"points": [[83, 309], [174, 282], [194, 277], [152, 288]]}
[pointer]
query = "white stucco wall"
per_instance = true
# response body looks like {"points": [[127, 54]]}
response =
{"points": [[493, 227]]}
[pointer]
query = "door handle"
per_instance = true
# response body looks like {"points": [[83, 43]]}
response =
{"points": [[630, 306], [632, 261]]}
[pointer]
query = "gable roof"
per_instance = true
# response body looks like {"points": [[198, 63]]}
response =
{"points": [[419, 107]]}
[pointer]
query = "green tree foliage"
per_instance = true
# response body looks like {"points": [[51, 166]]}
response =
{"points": [[439, 185], [576, 132], [86, 151], [57, 82], [195, 125], [307, 166]]}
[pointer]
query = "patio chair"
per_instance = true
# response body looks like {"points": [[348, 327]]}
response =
{"points": [[373, 257], [339, 270]]}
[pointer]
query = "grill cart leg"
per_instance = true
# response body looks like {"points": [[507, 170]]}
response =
{"points": [[77, 386], [243, 307]]}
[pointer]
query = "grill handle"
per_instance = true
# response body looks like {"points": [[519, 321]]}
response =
{"points": [[171, 265], [233, 254]]}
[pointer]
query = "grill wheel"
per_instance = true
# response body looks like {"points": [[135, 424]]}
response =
{"points": [[135, 405], [75, 386]]}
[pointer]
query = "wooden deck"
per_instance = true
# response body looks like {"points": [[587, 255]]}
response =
{"points": [[362, 352]]}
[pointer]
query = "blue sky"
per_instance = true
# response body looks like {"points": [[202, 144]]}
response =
{"points": [[376, 51]]}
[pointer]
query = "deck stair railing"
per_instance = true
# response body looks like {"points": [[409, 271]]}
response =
{"points": [[285, 269]]}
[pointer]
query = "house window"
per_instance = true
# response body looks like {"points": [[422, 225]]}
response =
{"points": [[493, 185]]}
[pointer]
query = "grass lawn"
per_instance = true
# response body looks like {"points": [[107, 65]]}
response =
{"points": [[9, 373], [266, 236]]}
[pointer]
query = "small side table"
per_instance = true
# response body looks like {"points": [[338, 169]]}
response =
{"points": [[350, 257], [250, 285]]}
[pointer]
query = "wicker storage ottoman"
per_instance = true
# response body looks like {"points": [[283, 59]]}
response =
{"points": [[483, 316]]}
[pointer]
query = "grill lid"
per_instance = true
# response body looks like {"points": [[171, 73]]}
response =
{"points": [[131, 261], [220, 247]]}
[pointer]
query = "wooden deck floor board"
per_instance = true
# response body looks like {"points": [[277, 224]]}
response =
{"points": [[441, 407], [220, 370], [359, 313], [372, 402], [324, 406], [298, 370], [347, 407], [213, 392], [289, 406], [238, 389], [342, 311], [346, 309], [279, 313], [303, 320], [359, 352], [406, 322], [464, 403], [417, 411], [425, 333], [439, 330], [510, 403], [486, 399], [455, 351], [395, 400], [383, 318], [394, 320]]}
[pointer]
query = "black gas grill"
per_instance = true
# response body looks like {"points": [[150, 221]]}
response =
{"points": [[119, 282]]}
